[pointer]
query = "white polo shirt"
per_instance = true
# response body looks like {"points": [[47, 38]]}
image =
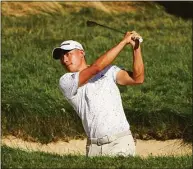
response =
{"points": [[98, 103]]}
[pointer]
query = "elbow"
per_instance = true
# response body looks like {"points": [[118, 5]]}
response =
{"points": [[139, 76], [139, 81], [142, 80]]}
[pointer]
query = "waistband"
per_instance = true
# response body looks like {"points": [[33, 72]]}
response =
{"points": [[107, 139]]}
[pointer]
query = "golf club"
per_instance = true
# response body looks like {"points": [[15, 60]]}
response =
{"points": [[92, 23]]}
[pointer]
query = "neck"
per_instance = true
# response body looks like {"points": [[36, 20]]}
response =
{"points": [[84, 66]]}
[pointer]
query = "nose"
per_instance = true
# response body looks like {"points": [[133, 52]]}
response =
{"points": [[65, 59]]}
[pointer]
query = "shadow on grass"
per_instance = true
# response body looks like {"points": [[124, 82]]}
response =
{"points": [[161, 125]]}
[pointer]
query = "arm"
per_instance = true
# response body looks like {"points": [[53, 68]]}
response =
{"points": [[103, 61], [137, 76]]}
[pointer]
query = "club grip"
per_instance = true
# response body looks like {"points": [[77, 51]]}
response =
{"points": [[137, 38], [140, 40]]}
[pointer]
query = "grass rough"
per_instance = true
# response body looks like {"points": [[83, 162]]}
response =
{"points": [[16, 158]]}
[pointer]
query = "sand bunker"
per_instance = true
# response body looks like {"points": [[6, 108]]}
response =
{"points": [[144, 148]]}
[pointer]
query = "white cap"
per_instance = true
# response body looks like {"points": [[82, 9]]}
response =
{"points": [[66, 46]]}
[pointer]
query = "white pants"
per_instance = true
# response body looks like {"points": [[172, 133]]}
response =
{"points": [[123, 146]]}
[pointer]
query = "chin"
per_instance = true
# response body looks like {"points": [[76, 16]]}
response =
{"points": [[72, 70]]}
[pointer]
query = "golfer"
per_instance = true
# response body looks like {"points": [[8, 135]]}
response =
{"points": [[93, 93]]}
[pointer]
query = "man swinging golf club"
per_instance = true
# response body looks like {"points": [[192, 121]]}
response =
{"points": [[93, 93]]}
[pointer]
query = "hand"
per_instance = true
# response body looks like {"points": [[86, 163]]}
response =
{"points": [[132, 39]]}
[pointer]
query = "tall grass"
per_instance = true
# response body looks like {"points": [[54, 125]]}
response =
{"points": [[32, 105]]}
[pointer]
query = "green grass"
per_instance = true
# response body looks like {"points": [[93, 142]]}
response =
{"points": [[32, 105], [15, 158]]}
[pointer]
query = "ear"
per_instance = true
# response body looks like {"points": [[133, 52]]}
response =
{"points": [[82, 52]]}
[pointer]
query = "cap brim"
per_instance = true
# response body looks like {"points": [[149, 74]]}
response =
{"points": [[58, 52]]}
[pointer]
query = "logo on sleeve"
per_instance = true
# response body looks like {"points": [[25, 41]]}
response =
{"points": [[73, 76], [102, 76]]}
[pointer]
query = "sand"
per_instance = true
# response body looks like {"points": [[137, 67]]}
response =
{"points": [[77, 147]]}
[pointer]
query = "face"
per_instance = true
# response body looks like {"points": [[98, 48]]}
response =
{"points": [[72, 60]]}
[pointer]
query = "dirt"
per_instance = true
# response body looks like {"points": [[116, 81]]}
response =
{"points": [[144, 148]]}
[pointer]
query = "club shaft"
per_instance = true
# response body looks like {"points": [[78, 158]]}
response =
{"points": [[91, 23], [110, 28]]}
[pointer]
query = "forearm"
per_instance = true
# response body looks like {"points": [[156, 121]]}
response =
{"points": [[108, 57], [138, 66]]}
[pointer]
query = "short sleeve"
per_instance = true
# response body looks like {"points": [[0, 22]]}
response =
{"points": [[68, 84], [113, 70]]}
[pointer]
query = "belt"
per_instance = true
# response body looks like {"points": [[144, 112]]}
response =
{"points": [[107, 139]]}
